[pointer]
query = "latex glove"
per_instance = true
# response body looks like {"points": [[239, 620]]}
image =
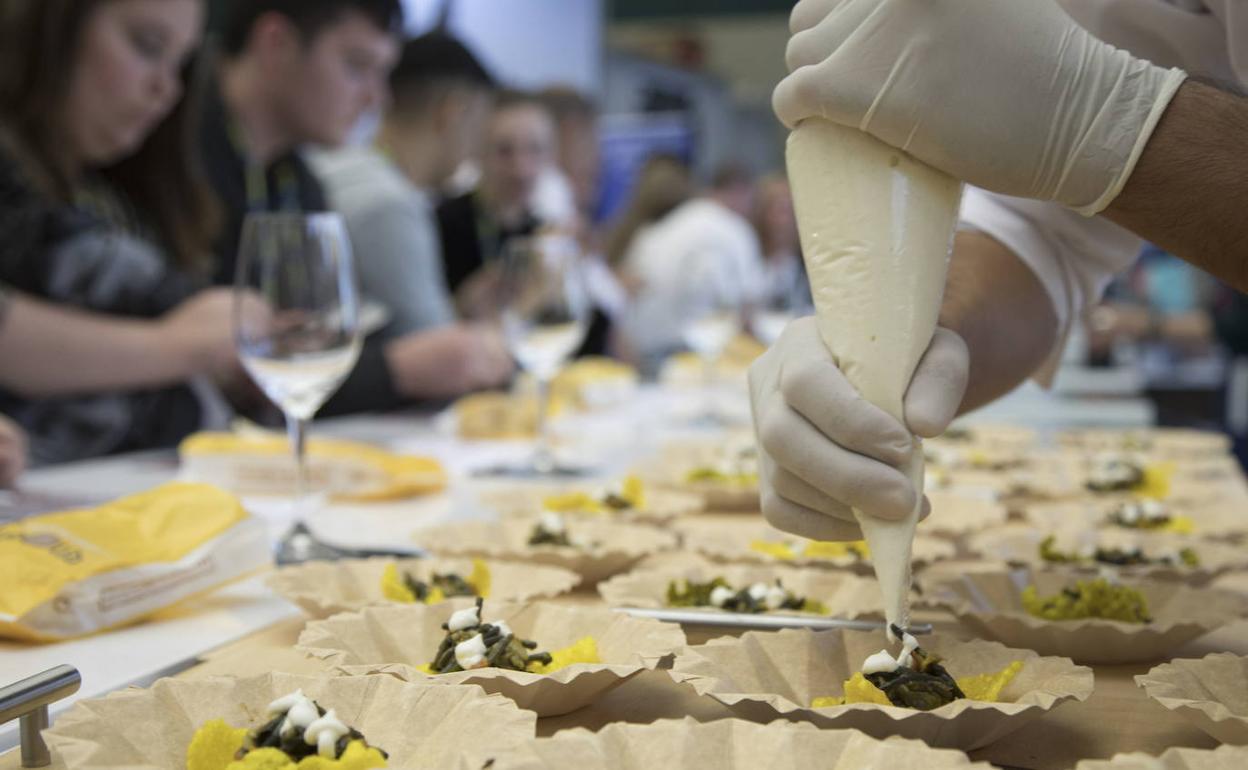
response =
{"points": [[1009, 95], [824, 450]]}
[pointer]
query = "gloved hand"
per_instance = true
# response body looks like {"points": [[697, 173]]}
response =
{"points": [[1009, 95], [824, 450]]}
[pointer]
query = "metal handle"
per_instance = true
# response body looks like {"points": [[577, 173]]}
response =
{"points": [[765, 622], [28, 700]]}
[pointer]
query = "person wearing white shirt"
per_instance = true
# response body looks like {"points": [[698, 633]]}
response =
{"points": [[1087, 128], [704, 252]]}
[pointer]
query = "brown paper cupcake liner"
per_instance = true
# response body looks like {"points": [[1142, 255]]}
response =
{"points": [[421, 726], [762, 676], [397, 640], [990, 604], [1020, 544], [1176, 443], [845, 595], [1221, 758], [1211, 520], [961, 513], [726, 744], [612, 548], [1211, 693], [671, 468], [322, 589], [661, 505], [732, 542]]}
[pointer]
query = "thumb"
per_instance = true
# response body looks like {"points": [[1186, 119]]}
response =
{"points": [[938, 385]]}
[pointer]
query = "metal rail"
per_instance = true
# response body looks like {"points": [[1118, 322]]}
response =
{"points": [[28, 701]]}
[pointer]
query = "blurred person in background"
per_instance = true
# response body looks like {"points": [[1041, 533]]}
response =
{"points": [[785, 284], [440, 98], [12, 452], [567, 191], [106, 230], [704, 252], [476, 226], [299, 72], [663, 183]]}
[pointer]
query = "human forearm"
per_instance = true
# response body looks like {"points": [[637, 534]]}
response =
{"points": [[1003, 313], [1186, 193], [50, 351]]}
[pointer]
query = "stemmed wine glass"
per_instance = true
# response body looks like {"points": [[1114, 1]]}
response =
{"points": [[713, 319], [296, 325], [545, 313]]}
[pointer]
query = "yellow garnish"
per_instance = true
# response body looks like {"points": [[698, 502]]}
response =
{"points": [[1180, 525], [214, 745], [817, 549], [635, 491], [981, 687], [781, 551], [1156, 481], [584, 650], [978, 458], [426, 668], [573, 502], [261, 759], [815, 606], [719, 477], [393, 587], [632, 491], [1097, 598], [988, 687], [480, 578]]}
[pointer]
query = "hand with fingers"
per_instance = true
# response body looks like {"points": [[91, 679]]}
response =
{"points": [[825, 451], [1009, 95]]}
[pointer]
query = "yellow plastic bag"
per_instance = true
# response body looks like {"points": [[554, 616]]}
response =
{"points": [[77, 572]]}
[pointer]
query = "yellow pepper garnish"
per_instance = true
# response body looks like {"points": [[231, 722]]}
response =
{"points": [[981, 687], [1156, 482], [215, 744]]}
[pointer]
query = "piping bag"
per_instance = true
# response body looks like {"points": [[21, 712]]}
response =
{"points": [[876, 230]]}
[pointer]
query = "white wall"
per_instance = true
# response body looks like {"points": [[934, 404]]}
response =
{"points": [[527, 43]]}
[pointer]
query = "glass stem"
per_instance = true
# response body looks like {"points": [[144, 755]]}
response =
{"points": [[543, 457], [708, 387], [297, 430]]}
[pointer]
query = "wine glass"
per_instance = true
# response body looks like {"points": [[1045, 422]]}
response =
{"points": [[545, 315], [713, 319], [296, 325]]}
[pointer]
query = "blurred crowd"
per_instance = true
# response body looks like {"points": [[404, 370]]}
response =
{"points": [[133, 144]]}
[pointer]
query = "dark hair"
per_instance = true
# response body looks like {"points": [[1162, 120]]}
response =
{"points": [[310, 17], [663, 183], [431, 63], [566, 103], [39, 40], [509, 98], [731, 174]]}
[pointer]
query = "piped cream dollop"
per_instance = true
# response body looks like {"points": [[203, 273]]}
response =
{"points": [[299, 709], [882, 662], [324, 734], [465, 618], [470, 653], [720, 595], [552, 523]]}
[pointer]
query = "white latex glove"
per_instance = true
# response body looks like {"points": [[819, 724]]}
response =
{"points": [[824, 450], [1009, 95]]}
